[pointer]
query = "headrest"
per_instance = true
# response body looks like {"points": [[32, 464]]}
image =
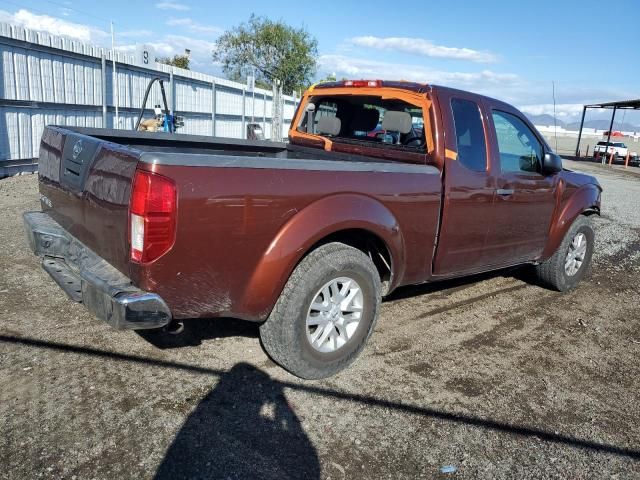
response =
{"points": [[397, 121], [329, 125], [365, 120]]}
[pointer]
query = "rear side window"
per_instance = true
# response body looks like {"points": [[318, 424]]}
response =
{"points": [[472, 151]]}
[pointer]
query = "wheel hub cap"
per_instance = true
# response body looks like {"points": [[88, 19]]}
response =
{"points": [[334, 314], [576, 254]]}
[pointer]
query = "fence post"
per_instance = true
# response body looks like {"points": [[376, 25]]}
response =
{"points": [[264, 114], [244, 107], [104, 90], [213, 108], [626, 160], [172, 98]]}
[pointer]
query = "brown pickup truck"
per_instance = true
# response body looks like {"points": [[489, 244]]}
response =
{"points": [[382, 184]]}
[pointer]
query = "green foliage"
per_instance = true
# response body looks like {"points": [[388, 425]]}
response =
{"points": [[273, 50], [328, 78], [180, 61]]}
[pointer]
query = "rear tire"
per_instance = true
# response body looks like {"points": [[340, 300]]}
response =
{"points": [[572, 260], [311, 307]]}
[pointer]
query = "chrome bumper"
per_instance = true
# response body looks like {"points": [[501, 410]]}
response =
{"points": [[89, 279]]}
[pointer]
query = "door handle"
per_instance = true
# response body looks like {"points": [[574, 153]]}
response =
{"points": [[504, 192]]}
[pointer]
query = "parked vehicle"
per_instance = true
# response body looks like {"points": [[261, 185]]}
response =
{"points": [[618, 149], [307, 237]]}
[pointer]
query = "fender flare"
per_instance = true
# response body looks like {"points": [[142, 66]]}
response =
{"points": [[305, 229], [584, 199]]}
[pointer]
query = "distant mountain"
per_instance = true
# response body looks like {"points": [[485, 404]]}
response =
{"points": [[544, 119], [604, 125], [547, 120]]}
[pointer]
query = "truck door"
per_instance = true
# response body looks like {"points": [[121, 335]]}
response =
{"points": [[525, 198], [469, 186]]}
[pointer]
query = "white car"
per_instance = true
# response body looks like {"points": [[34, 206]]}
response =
{"points": [[618, 149]]}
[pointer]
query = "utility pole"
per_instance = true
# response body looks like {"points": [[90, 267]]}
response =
{"points": [[276, 112], [555, 123], [116, 95]]}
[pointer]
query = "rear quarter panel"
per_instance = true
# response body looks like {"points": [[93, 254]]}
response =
{"points": [[241, 231]]}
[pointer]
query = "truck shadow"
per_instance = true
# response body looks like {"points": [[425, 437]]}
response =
{"points": [[244, 428]]}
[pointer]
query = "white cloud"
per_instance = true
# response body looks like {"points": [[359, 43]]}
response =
{"points": [[563, 111], [170, 45], [166, 45], [53, 25], [173, 6], [193, 26], [420, 46], [361, 68]]}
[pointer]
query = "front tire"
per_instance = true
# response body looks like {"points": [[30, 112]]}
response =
{"points": [[325, 314], [571, 261]]}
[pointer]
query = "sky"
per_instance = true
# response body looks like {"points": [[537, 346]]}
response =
{"points": [[510, 50]]}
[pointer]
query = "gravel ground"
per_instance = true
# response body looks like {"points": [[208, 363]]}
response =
{"points": [[491, 376]]}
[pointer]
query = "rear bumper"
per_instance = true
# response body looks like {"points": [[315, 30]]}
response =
{"points": [[89, 279]]}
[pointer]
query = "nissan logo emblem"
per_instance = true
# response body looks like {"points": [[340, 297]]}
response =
{"points": [[77, 149]]}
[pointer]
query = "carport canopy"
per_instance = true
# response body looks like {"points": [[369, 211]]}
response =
{"points": [[615, 106]]}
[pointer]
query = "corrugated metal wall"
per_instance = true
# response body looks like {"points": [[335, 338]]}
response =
{"points": [[45, 79]]}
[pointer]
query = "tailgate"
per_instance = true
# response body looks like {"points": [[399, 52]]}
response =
{"points": [[85, 185]]}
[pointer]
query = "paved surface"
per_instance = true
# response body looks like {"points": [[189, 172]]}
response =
{"points": [[493, 376]]}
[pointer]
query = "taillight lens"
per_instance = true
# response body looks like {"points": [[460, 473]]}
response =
{"points": [[152, 216]]}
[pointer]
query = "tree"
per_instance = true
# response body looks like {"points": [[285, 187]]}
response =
{"points": [[271, 50], [180, 61], [329, 78]]}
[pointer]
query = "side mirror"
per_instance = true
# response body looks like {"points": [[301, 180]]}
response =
{"points": [[551, 163]]}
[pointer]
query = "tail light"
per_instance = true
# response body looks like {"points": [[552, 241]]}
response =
{"points": [[152, 216], [362, 83]]}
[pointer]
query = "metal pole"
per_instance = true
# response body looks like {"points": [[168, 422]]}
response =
{"points": [[264, 114], [555, 123], [244, 107], [116, 83], [104, 90], [584, 111], [173, 92], [253, 105], [213, 108], [253, 97], [613, 116]]}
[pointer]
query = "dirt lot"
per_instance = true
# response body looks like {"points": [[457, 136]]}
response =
{"points": [[493, 376]]}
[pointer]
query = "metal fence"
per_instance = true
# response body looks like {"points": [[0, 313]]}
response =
{"points": [[47, 79]]}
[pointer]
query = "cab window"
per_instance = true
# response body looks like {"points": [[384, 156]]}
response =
{"points": [[520, 150], [472, 150]]}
